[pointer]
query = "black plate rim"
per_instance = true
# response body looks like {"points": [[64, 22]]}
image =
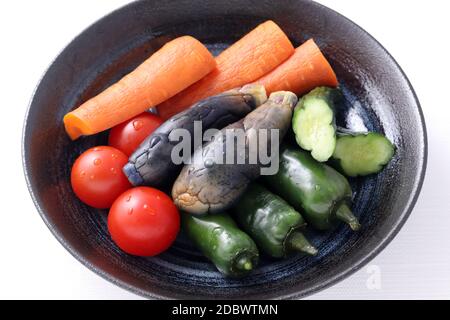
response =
{"points": [[357, 265]]}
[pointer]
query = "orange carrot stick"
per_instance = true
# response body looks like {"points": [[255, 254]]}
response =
{"points": [[257, 53], [174, 67], [306, 69]]}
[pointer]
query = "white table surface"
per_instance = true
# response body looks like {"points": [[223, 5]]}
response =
{"points": [[33, 265]]}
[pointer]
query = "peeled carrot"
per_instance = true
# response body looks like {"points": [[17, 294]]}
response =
{"points": [[171, 69], [254, 55], [306, 69]]}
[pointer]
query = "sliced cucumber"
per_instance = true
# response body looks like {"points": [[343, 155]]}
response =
{"points": [[314, 122], [362, 154]]}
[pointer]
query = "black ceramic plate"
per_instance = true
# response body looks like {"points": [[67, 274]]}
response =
{"points": [[379, 98]]}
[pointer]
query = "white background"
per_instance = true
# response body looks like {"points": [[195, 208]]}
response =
{"points": [[415, 265]]}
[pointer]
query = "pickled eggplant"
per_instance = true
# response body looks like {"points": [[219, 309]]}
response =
{"points": [[211, 183], [151, 163]]}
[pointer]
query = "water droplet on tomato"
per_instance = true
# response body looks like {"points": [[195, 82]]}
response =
{"points": [[130, 211], [145, 206], [113, 170], [97, 161], [96, 149], [92, 177], [82, 173], [128, 199], [158, 198], [114, 156], [137, 124]]}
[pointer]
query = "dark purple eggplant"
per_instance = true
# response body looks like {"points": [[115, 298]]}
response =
{"points": [[210, 183], [151, 164]]}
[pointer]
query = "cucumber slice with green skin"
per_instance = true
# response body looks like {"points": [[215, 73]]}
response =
{"points": [[314, 122], [362, 154]]}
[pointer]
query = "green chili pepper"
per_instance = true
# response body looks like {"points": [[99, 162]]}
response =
{"points": [[231, 250], [320, 192], [271, 222]]}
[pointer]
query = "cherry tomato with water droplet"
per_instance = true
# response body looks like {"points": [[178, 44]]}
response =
{"points": [[128, 135], [97, 178], [143, 221]]}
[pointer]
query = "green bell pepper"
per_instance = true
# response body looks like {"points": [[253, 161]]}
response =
{"points": [[271, 222], [320, 192], [231, 250]]}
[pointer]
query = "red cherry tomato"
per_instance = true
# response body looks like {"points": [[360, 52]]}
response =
{"points": [[143, 221], [97, 177], [128, 135]]}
